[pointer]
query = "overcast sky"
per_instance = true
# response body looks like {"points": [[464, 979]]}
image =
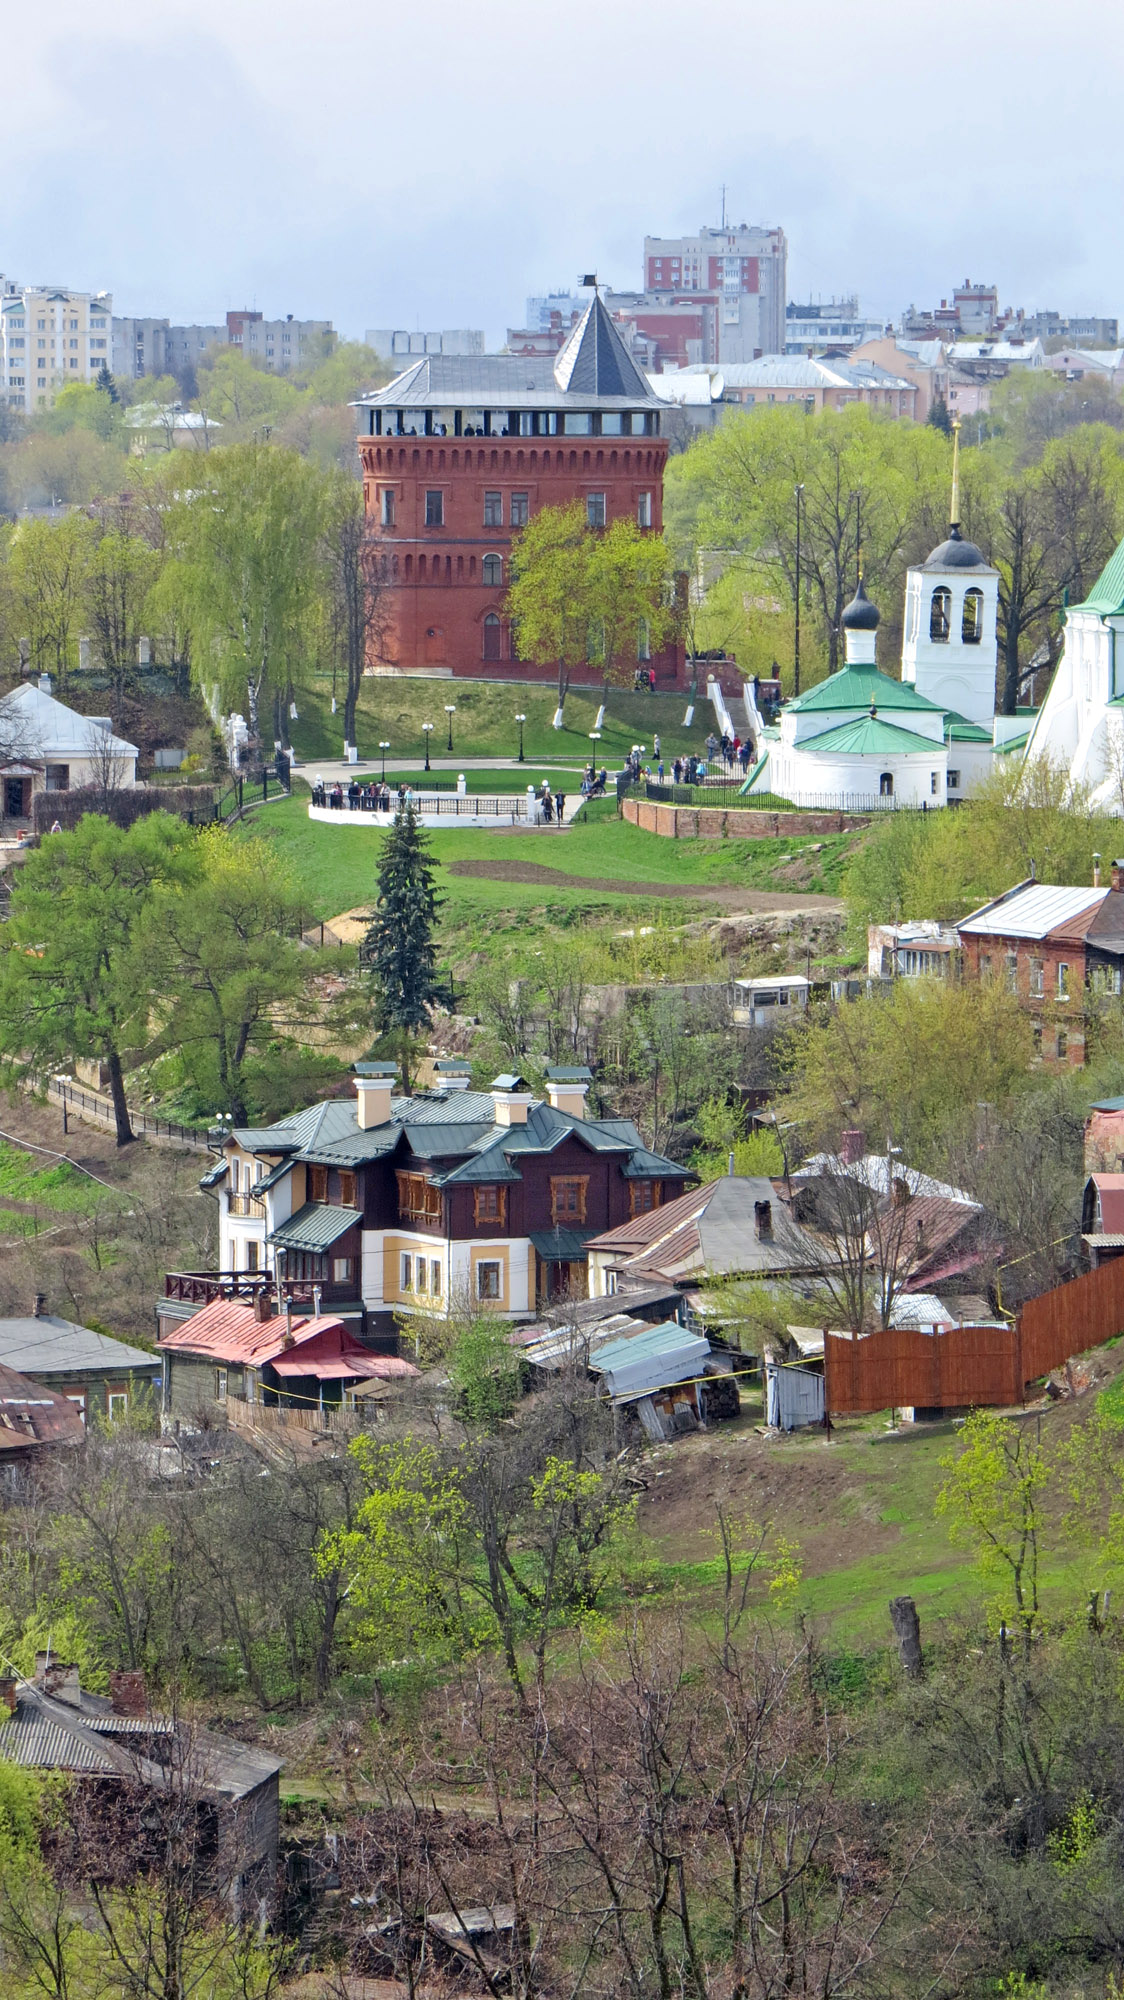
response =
{"points": [[432, 165]]}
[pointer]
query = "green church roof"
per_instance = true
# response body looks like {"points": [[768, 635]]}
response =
{"points": [[857, 687], [1107, 594], [868, 735]]}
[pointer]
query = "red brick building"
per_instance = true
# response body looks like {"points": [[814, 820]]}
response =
{"points": [[1060, 949], [458, 453]]}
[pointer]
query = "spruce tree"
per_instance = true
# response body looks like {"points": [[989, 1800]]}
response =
{"points": [[104, 381], [398, 948]]}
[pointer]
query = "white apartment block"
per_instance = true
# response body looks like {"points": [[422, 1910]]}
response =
{"points": [[50, 336]]}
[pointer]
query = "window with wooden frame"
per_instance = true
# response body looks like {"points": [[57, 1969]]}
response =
{"points": [[347, 1190], [489, 1281], [318, 1184], [418, 1199], [567, 1197], [489, 1205], [643, 1196]]}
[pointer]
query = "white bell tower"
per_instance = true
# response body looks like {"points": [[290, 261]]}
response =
{"points": [[951, 611]]}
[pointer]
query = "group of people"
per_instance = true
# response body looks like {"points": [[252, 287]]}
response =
{"points": [[731, 749], [373, 797], [549, 807], [594, 781], [645, 678]]}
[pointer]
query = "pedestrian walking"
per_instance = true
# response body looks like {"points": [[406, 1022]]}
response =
{"points": [[656, 745], [559, 806]]}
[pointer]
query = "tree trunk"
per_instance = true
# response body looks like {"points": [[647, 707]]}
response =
{"points": [[120, 1108], [907, 1631]]}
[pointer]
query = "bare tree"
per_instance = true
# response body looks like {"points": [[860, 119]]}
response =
{"points": [[110, 768], [357, 597]]}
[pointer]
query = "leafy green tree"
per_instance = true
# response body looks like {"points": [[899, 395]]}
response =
{"points": [[84, 406], [629, 584], [244, 576], [223, 939], [122, 572], [992, 1498], [75, 979], [240, 396], [551, 603], [398, 949], [722, 1130], [486, 1371], [48, 572]]}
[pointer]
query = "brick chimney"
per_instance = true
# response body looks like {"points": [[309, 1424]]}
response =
{"points": [[512, 1100], [263, 1306], [1117, 877], [8, 1692], [374, 1083], [852, 1146], [567, 1088], [61, 1679], [39, 1305], [128, 1693]]}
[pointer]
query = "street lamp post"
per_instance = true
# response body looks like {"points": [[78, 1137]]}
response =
{"points": [[384, 747], [796, 636], [450, 710], [427, 728], [520, 719]]}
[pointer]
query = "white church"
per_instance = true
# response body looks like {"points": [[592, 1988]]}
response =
{"points": [[1081, 722], [862, 739]]}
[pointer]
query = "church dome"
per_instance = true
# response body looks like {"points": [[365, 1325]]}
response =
{"points": [[956, 553], [860, 615]]}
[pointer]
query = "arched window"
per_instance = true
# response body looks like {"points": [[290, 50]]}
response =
{"points": [[940, 611], [491, 569], [886, 785], [971, 625], [491, 637]]}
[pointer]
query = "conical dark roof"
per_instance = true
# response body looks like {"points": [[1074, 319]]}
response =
{"points": [[860, 615], [595, 361], [956, 553]]}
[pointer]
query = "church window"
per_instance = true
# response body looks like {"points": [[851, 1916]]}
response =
{"points": [[971, 625], [491, 569], [954, 781], [886, 785], [491, 637], [939, 615]]}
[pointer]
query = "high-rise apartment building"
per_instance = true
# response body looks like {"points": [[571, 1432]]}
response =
{"points": [[139, 348], [741, 272], [50, 336]]}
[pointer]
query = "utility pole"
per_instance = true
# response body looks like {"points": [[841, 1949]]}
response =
{"points": [[796, 644]]}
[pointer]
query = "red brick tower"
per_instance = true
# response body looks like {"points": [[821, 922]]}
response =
{"points": [[459, 451]]}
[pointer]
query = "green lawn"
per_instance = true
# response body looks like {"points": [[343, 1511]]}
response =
{"points": [[485, 726], [337, 864]]}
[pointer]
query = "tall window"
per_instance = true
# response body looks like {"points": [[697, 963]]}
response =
{"points": [[644, 511], [488, 1280], [318, 1184], [489, 1205], [567, 1197], [520, 510], [934, 782], [1011, 968], [1061, 1045], [434, 508], [644, 641], [1037, 978], [1063, 981], [886, 785], [386, 507], [971, 625], [595, 509], [491, 570], [493, 510], [347, 1189], [491, 637], [940, 612]]}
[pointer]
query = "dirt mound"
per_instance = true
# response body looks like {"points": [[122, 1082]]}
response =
{"points": [[534, 873]]}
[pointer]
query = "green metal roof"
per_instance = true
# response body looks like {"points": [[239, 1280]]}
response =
{"points": [[868, 735], [754, 774], [857, 687], [1107, 594], [958, 729], [316, 1226], [561, 1246], [1012, 743]]}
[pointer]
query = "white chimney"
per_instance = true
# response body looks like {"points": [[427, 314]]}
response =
{"points": [[567, 1088], [452, 1073], [374, 1083], [512, 1100]]}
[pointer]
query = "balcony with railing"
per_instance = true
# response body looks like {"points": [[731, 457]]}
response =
{"points": [[248, 1205], [202, 1288]]}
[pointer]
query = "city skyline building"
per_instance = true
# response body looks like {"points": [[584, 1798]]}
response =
{"points": [[50, 336]]}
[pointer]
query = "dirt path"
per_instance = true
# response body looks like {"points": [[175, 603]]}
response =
{"points": [[731, 897]]}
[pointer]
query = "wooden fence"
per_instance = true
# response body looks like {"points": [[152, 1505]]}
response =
{"points": [[967, 1367]]}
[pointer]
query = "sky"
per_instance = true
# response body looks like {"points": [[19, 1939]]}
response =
{"points": [[432, 165]]}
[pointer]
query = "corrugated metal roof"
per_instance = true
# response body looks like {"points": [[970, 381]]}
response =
{"points": [[870, 735], [561, 1246], [227, 1330], [316, 1226], [1032, 912], [53, 1346], [1107, 594]]}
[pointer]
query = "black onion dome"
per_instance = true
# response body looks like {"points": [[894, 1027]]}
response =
{"points": [[860, 614], [956, 553]]}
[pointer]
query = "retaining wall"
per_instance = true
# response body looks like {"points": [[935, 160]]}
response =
{"points": [[733, 822]]}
